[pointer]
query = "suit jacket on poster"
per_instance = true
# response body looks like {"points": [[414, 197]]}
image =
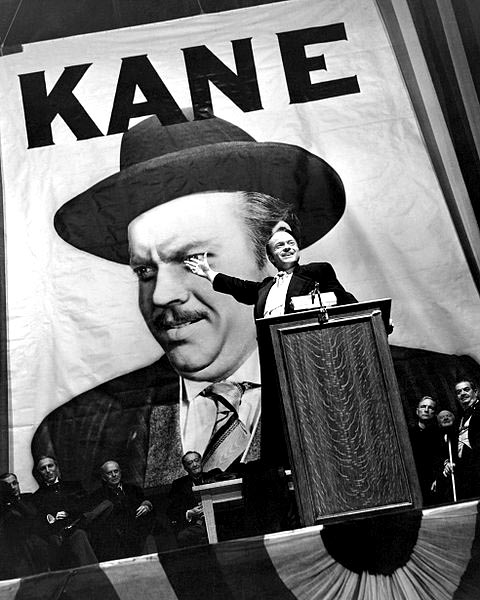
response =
{"points": [[302, 282], [111, 422]]}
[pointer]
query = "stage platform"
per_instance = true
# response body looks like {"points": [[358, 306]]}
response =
{"points": [[427, 555]]}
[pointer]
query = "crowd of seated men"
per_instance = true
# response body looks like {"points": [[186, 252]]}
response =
{"points": [[446, 448], [60, 526]]}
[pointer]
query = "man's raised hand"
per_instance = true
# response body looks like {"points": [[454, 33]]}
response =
{"points": [[200, 266]]}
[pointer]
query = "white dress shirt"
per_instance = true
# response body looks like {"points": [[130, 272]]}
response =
{"points": [[275, 302]]}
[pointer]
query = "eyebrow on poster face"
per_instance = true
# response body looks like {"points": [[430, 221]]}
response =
{"points": [[179, 254]]}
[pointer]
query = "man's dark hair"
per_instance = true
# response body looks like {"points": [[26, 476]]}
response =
{"points": [[43, 457], [190, 452], [261, 213], [4, 476], [472, 383]]}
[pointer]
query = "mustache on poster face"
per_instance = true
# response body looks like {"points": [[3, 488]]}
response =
{"points": [[175, 317]]}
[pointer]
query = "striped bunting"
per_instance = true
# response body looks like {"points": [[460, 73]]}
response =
{"points": [[442, 563]]}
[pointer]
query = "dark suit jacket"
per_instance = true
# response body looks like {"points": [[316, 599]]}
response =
{"points": [[22, 552], [182, 498], [474, 429], [67, 496], [468, 465], [428, 454], [116, 532], [302, 282]]}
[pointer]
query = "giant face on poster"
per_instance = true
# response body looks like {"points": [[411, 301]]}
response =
{"points": [[124, 153]]}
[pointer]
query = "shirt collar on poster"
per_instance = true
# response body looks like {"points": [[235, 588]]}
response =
{"points": [[248, 371]]}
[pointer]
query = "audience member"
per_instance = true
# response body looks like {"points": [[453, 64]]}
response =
{"points": [[22, 551], [120, 516], [445, 483], [468, 463], [426, 447], [60, 505], [184, 509]]}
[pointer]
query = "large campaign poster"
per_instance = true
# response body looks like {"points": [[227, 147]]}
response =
{"points": [[320, 77]]}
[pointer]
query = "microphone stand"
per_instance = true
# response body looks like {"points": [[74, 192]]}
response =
{"points": [[322, 311]]}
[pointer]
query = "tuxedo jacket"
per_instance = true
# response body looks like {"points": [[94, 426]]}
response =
{"points": [[474, 428], [471, 456], [467, 471], [302, 282]]}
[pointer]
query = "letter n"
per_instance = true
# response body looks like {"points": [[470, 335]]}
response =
{"points": [[241, 87]]}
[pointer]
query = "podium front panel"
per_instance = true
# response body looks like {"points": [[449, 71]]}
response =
{"points": [[347, 435]]}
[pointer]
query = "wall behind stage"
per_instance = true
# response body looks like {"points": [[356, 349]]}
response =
{"points": [[72, 318]]}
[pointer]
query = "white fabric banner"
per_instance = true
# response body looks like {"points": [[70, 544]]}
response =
{"points": [[73, 318]]}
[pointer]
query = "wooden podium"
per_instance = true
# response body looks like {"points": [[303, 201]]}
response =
{"points": [[342, 415]]}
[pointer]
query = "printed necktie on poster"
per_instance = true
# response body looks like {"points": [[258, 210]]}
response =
{"points": [[229, 437]]}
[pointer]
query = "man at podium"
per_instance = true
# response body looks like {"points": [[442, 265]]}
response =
{"points": [[272, 296]]}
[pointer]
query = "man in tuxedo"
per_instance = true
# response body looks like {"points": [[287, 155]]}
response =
{"points": [[120, 516], [166, 199], [184, 510], [60, 506], [272, 296], [467, 470]]}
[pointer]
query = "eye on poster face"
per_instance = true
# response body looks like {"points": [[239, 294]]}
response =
{"points": [[109, 336]]}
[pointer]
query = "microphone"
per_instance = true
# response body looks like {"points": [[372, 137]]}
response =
{"points": [[322, 311]]}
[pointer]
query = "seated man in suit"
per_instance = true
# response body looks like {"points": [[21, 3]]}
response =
{"points": [[60, 505], [273, 295], [23, 552], [184, 510], [120, 516]]}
